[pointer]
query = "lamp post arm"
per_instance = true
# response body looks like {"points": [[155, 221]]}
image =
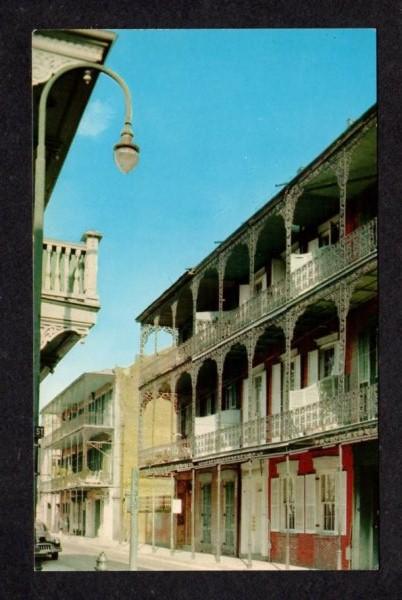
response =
{"points": [[80, 65]]}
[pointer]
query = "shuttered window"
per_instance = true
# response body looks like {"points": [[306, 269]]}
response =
{"points": [[299, 503], [276, 389], [310, 503], [312, 367], [275, 504]]}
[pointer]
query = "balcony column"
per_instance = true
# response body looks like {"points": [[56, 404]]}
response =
{"points": [[175, 333], [172, 495], [251, 243], [219, 371], [218, 513], [156, 329], [250, 345], [195, 284], [287, 213], [173, 409], [342, 304], [290, 320], [341, 169], [193, 514], [84, 451], [91, 239], [221, 276], [194, 375]]}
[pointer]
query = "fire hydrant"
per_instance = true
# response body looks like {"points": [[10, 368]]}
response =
{"points": [[101, 562]]}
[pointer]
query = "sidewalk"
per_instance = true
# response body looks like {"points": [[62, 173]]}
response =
{"points": [[162, 558]]}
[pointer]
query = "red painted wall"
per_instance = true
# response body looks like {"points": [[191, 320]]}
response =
{"points": [[314, 550]]}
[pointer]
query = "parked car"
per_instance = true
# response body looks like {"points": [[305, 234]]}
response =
{"points": [[46, 545]]}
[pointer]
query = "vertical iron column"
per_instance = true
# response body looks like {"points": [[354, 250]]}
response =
{"points": [[153, 513], [171, 513], [339, 513], [218, 514], [192, 513], [250, 512], [287, 513], [133, 557]]}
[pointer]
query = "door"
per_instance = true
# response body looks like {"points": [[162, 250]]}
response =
{"points": [[229, 516], [97, 516], [206, 514]]}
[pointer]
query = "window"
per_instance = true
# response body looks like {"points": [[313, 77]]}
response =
{"points": [[288, 503], [327, 501], [207, 404], [230, 397], [367, 347], [327, 362], [258, 287]]}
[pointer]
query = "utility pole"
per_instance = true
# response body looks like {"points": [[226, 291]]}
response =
{"points": [[133, 560]]}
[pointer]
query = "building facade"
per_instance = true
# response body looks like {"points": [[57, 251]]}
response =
{"points": [[271, 379], [87, 454]]}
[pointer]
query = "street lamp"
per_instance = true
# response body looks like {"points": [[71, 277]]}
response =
{"points": [[126, 155]]}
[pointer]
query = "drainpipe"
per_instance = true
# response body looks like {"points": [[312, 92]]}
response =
{"points": [[287, 559]]}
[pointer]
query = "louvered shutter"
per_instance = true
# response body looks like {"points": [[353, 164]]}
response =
{"points": [[275, 504], [276, 389], [342, 481], [299, 503], [245, 400], [297, 373], [312, 364], [310, 496], [263, 406], [336, 370]]}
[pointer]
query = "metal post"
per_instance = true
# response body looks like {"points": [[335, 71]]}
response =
{"points": [[250, 512], [338, 503], [133, 557], [171, 513], [218, 514], [287, 560], [192, 514], [153, 514]]}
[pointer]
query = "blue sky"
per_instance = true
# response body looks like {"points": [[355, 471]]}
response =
{"points": [[221, 116]]}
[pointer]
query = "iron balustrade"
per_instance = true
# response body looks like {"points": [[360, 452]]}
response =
{"points": [[332, 411], [325, 263], [179, 450], [86, 419], [83, 478]]}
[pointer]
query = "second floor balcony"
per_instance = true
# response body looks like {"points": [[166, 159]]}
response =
{"points": [[323, 412], [67, 479], [90, 420]]}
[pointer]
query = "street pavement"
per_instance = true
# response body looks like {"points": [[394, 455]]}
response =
{"points": [[80, 553]]}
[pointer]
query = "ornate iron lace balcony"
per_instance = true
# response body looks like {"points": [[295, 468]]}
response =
{"points": [[80, 421], [180, 450], [326, 263], [329, 413], [83, 478]]}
